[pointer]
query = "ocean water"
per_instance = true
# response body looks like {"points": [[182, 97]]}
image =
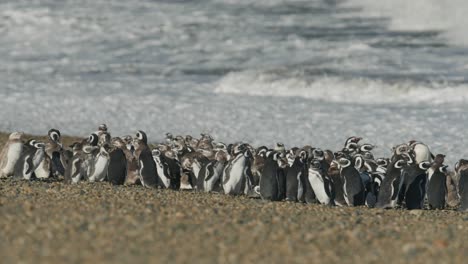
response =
{"points": [[260, 71]]}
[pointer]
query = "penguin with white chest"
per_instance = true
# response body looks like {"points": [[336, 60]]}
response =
{"points": [[101, 165], [146, 165], [354, 193], [321, 183], [211, 173], [237, 175], [30, 158], [437, 183], [163, 169], [10, 154]]}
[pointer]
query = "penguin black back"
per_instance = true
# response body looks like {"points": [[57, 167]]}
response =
{"points": [[117, 170]]}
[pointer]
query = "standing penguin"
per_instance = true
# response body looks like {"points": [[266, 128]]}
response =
{"points": [[54, 150], [163, 169], [237, 176], [117, 169], [415, 181], [462, 170], [437, 183], [10, 154], [146, 165], [320, 183], [101, 165], [214, 172], [295, 178], [269, 185], [353, 187], [73, 171], [391, 184], [334, 174], [30, 158]]}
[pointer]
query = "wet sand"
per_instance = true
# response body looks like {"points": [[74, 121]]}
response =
{"points": [[51, 222]]}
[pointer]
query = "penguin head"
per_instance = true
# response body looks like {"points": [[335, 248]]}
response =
{"points": [[407, 157], [382, 162], [141, 136], [54, 135], [366, 147], [155, 152], [443, 169], [329, 156], [424, 165], [30, 142], [353, 139], [118, 142], [402, 148], [280, 147], [461, 165], [93, 139], [358, 162], [399, 164], [39, 145], [303, 155], [169, 136], [318, 154], [261, 151], [368, 155], [102, 128], [16, 136], [281, 159], [315, 164], [439, 159], [344, 162]]}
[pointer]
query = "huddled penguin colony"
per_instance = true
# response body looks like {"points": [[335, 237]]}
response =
{"points": [[411, 178]]}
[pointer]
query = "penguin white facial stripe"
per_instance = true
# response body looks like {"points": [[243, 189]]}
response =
{"points": [[345, 163], [399, 164]]}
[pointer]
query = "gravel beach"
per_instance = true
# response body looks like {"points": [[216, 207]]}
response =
{"points": [[51, 222]]}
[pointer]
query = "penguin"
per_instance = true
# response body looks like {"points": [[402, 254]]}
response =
{"points": [[103, 135], [129, 144], [258, 164], [117, 168], [163, 170], [54, 150], [43, 170], [320, 183], [365, 171], [101, 165], [131, 162], [415, 179], [192, 162], [437, 183], [10, 154], [89, 151], [211, 173], [391, 185], [269, 182], [295, 178], [29, 160], [354, 193], [421, 151], [146, 165], [73, 172], [237, 176], [334, 174], [462, 170]]}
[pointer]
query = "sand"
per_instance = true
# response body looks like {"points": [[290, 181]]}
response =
{"points": [[51, 222]]}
